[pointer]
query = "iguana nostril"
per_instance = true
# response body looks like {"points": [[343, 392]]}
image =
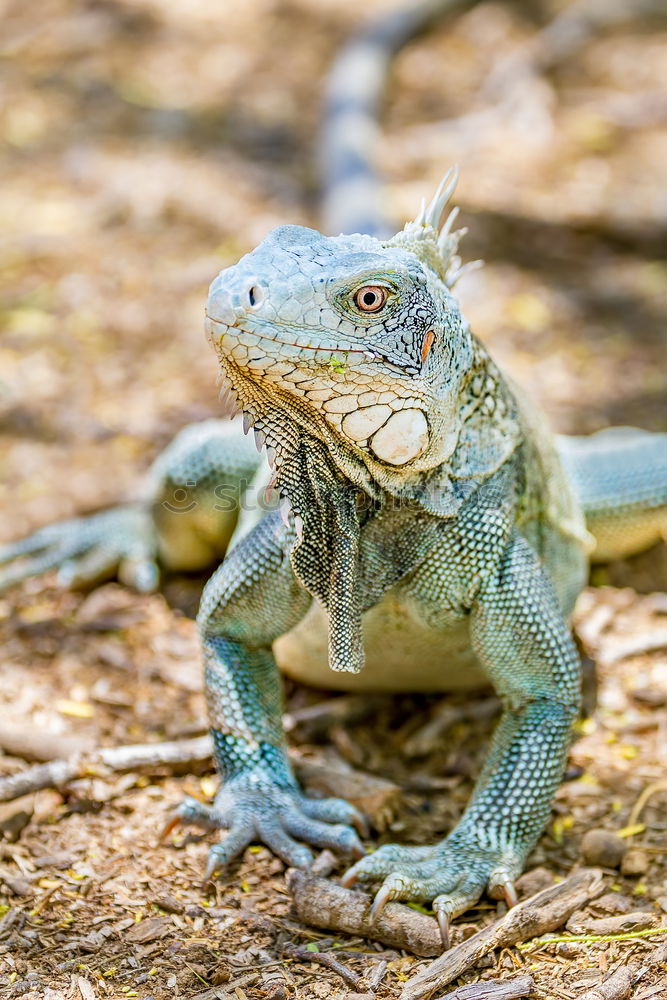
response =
{"points": [[255, 296], [220, 307]]}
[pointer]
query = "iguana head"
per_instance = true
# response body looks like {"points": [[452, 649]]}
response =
{"points": [[358, 341]]}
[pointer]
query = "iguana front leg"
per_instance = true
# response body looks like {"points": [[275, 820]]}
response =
{"points": [[192, 499], [251, 600], [522, 640]]}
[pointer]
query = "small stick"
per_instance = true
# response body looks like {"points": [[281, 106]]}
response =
{"points": [[374, 796], [375, 977], [617, 987], [324, 958], [649, 791], [446, 715], [320, 903], [35, 744], [313, 721], [544, 912], [497, 989], [58, 773]]}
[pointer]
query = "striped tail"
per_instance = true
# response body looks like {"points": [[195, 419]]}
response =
{"points": [[620, 477], [351, 198]]}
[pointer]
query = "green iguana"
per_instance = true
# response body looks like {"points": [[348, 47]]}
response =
{"points": [[430, 533]]}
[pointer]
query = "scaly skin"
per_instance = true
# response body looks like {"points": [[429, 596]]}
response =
{"points": [[420, 494]]}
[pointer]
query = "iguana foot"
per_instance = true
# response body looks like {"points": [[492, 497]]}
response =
{"points": [[252, 810], [86, 550], [452, 874]]}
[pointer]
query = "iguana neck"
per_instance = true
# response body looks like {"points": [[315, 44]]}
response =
{"points": [[472, 434], [331, 487]]}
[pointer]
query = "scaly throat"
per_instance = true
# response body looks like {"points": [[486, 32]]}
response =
{"points": [[353, 523], [331, 496]]}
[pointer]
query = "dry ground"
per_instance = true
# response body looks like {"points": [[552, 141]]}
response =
{"points": [[146, 145]]}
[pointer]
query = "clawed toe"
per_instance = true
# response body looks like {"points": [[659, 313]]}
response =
{"points": [[444, 925], [231, 847], [349, 877], [190, 812], [382, 897], [509, 895], [451, 875], [169, 827], [283, 819]]}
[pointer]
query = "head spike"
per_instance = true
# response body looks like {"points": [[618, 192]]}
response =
{"points": [[442, 195], [449, 222], [458, 270], [420, 219], [438, 251]]}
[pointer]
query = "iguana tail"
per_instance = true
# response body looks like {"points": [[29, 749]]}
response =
{"points": [[620, 475], [351, 201]]}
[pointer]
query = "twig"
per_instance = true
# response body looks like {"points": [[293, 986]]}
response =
{"points": [[538, 943], [445, 716], [636, 646], [227, 992], [649, 791], [546, 911], [32, 743], [374, 796], [497, 989], [59, 773], [324, 904], [377, 974], [326, 959], [313, 721]]}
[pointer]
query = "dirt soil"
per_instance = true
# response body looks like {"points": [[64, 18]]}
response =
{"points": [[146, 145]]}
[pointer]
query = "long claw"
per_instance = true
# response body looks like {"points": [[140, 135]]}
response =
{"points": [[382, 897], [361, 825], [443, 924], [169, 827], [351, 876], [212, 865], [509, 895], [358, 851]]}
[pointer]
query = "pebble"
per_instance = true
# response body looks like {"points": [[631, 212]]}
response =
{"points": [[603, 848]]}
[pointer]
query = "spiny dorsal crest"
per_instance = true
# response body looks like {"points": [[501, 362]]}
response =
{"points": [[435, 246]]}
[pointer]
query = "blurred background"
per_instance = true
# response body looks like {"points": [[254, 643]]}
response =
{"points": [[148, 143], [145, 145]]}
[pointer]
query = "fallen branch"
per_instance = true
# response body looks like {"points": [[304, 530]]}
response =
{"points": [[59, 773], [546, 911], [375, 796], [320, 903], [497, 989], [32, 743]]}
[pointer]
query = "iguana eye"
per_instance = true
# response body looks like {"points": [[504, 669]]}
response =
{"points": [[370, 298]]}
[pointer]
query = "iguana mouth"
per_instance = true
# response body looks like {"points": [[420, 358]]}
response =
{"points": [[337, 349], [404, 368]]}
